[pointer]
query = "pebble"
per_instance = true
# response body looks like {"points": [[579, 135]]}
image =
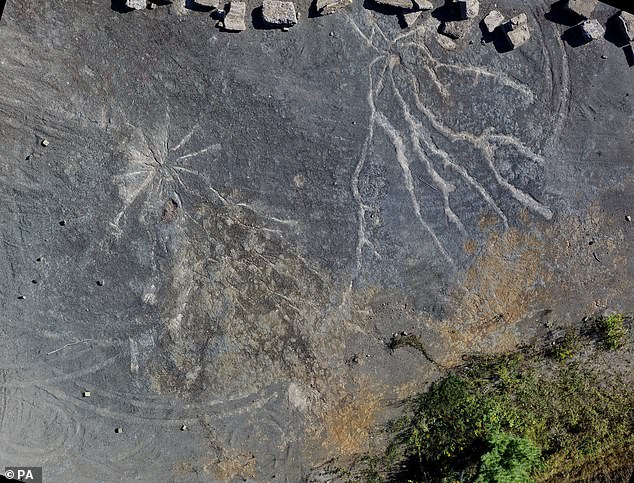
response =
{"points": [[100, 283], [86, 394], [45, 142], [21, 297], [118, 430], [183, 427], [628, 218]]}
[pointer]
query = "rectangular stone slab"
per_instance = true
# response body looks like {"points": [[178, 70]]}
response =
{"points": [[234, 20], [279, 13], [583, 8], [327, 7]]}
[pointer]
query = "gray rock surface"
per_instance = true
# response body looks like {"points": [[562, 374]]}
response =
{"points": [[266, 210], [279, 13]]}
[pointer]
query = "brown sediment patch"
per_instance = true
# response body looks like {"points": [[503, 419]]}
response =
{"points": [[348, 425], [501, 285], [232, 464]]}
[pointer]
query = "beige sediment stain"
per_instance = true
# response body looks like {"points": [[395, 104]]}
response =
{"points": [[232, 464], [536, 267], [348, 424]]}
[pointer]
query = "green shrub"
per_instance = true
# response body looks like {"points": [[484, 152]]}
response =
{"points": [[612, 330], [567, 347], [490, 420], [510, 460]]}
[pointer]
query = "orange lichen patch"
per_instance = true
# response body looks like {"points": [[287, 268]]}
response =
{"points": [[506, 278], [232, 464], [470, 247], [349, 424]]}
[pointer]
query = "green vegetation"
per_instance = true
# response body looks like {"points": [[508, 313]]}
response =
{"points": [[516, 418], [612, 330], [567, 347]]}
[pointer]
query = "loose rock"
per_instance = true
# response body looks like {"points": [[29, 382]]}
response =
{"points": [[136, 4], [517, 31], [410, 18], [626, 24], [592, 30], [582, 8], [493, 20], [423, 5], [279, 13], [628, 218], [45, 142], [455, 29], [406, 4], [467, 8], [234, 20], [213, 4], [86, 394], [328, 7], [118, 430]]}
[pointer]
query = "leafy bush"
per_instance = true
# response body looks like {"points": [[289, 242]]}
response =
{"points": [[612, 330], [491, 420], [510, 460]]}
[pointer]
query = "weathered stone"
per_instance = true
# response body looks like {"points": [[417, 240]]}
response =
{"points": [[406, 4], [455, 29], [626, 23], [592, 30], [136, 4], [327, 7], [234, 20], [583, 8], [279, 13], [467, 8], [423, 5], [410, 18], [517, 31], [493, 20], [213, 4]]}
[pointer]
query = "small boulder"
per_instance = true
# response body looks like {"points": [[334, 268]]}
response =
{"points": [[591, 30], [410, 18], [467, 8], [455, 29], [327, 7], [423, 5], [278, 13], [406, 4], [211, 4], [493, 20], [517, 31], [582, 8], [626, 24], [234, 19], [136, 4]]}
